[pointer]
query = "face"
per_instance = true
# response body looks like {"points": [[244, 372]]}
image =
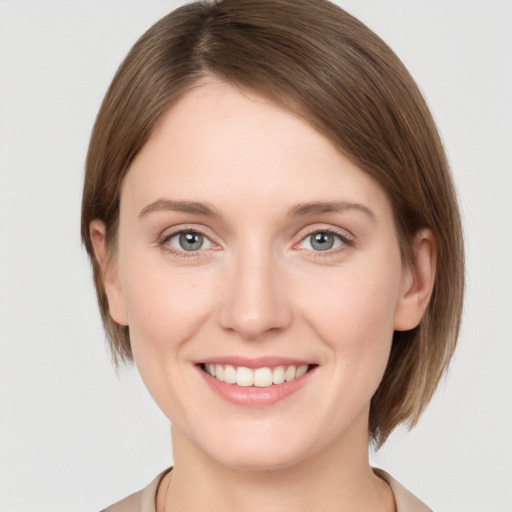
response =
{"points": [[259, 272]]}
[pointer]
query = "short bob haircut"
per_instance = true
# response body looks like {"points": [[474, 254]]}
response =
{"points": [[315, 60]]}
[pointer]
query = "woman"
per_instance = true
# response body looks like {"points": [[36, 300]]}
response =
{"points": [[276, 244]]}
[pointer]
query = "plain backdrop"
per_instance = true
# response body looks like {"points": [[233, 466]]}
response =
{"points": [[77, 436]]}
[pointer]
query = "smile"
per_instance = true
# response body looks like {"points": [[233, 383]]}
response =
{"points": [[256, 383], [259, 377]]}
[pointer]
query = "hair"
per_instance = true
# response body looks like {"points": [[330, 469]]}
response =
{"points": [[322, 64]]}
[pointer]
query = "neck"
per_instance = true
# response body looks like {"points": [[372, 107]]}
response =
{"points": [[336, 478]]}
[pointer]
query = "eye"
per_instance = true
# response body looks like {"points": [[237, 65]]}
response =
{"points": [[189, 241], [323, 241]]}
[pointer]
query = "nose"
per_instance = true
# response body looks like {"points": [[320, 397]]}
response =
{"points": [[255, 301]]}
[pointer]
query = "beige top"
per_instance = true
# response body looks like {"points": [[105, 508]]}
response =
{"points": [[145, 500]]}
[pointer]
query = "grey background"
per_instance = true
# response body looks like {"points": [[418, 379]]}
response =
{"points": [[76, 436]]}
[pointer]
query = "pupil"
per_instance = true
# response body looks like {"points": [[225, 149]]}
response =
{"points": [[191, 241], [322, 241]]}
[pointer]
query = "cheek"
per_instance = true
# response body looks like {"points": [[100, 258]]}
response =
{"points": [[352, 311], [165, 309], [165, 305], [355, 298]]}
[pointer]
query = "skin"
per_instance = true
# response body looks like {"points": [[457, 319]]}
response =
{"points": [[257, 287]]}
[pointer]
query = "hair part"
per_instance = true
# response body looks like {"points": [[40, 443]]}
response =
{"points": [[322, 64]]}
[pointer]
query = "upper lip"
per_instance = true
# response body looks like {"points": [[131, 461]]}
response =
{"points": [[255, 362]]}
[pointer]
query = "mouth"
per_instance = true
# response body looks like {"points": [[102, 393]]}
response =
{"points": [[261, 377], [256, 383]]}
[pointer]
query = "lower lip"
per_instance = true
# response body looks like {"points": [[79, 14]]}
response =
{"points": [[253, 396]]}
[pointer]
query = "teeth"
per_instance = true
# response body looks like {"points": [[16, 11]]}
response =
{"points": [[263, 377], [229, 374], [278, 375], [289, 374], [244, 376], [301, 370], [260, 377]]}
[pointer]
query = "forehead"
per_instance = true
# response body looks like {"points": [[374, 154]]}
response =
{"points": [[220, 143]]}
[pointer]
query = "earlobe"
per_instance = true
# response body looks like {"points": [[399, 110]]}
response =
{"points": [[109, 272], [417, 283]]}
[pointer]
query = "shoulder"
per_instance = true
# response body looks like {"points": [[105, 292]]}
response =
{"points": [[405, 500], [141, 501]]}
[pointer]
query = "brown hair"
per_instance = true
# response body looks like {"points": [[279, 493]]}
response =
{"points": [[322, 64]]}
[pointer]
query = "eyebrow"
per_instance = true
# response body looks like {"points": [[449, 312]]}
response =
{"points": [[303, 209], [297, 210], [193, 207]]}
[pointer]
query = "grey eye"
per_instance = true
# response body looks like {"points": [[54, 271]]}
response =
{"points": [[322, 241], [189, 241]]}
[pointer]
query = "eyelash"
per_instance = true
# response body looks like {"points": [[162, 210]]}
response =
{"points": [[346, 240], [163, 243]]}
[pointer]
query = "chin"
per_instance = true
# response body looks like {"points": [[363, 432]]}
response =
{"points": [[258, 460], [262, 452]]}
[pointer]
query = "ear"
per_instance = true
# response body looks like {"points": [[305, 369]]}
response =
{"points": [[109, 272], [417, 282]]}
